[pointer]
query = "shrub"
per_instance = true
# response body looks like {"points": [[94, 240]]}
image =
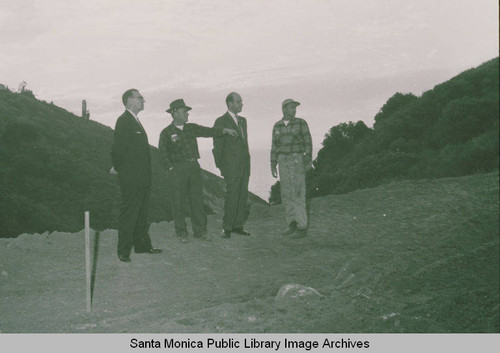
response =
{"points": [[19, 133]]}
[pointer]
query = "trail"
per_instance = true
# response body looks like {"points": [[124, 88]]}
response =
{"points": [[426, 266]]}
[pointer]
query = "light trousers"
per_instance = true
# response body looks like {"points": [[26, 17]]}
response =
{"points": [[293, 188]]}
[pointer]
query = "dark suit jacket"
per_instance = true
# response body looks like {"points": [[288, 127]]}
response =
{"points": [[130, 152], [231, 153]]}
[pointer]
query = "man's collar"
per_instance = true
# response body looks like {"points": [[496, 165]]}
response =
{"points": [[291, 119], [133, 114], [232, 114], [177, 127]]}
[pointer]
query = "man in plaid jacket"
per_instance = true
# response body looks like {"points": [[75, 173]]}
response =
{"points": [[291, 151]]}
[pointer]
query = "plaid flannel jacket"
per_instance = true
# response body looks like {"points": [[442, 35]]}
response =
{"points": [[292, 138]]}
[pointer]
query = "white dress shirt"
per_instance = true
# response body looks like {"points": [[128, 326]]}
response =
{"points": [[234, 117], [236, 122], [136, 117]]}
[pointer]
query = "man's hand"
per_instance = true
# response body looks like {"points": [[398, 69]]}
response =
{"points": [[274, 171], [230, 132], [113, 171]]}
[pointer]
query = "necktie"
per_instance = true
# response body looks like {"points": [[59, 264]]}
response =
{"points": [[239, 126]]}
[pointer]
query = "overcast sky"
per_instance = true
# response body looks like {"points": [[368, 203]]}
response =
{"points": [[342, 59]]}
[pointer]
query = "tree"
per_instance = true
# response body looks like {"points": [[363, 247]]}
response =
{"points": [[465, 118], [339, 142], [396, 103]]}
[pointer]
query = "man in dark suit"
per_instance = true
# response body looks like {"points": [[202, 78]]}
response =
{"points": [[233, 160], [132, 163]]}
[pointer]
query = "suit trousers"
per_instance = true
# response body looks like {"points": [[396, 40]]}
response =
{"points": [[235, 202], [133, 222], [186, 187], [293, 188]]}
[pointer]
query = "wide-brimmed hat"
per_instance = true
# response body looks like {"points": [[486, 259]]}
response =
{"points": [[289, 101], [178, 103]]}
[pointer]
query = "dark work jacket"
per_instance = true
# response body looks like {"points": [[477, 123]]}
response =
{"points": [[231, 153], [130, 153]]}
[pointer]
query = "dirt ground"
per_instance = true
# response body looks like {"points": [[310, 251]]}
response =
{"points": [[414, 256]]}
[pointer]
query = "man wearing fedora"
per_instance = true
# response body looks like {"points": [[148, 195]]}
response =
{"points": [[291, 150], [132, 163], [232, 158], [179, 157]]}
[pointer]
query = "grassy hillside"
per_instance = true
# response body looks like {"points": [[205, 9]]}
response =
{"points": [[450, 130], [410, 256], [54, 166]]}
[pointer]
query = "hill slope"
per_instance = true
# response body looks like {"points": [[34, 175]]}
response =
{"points": [[451, 130], [54, 166], [411, 256]]}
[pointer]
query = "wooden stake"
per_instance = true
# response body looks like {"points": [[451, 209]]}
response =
{"points": [[87, 259]]}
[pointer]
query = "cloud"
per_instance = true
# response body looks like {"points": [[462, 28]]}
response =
{"points": [[329, 51]]}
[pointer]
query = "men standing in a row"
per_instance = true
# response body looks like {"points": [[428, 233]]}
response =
{"points": [[233, 160], [132, 162], [292, 151], [179, 157]]}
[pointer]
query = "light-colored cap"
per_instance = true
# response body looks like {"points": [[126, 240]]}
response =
{"points": [[288, 101]]}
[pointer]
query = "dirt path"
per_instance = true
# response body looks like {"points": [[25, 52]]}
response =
{"points": [[396, 258]]}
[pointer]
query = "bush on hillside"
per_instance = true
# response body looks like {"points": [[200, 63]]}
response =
{"points": [[451, 130], [19, 133], [465, 118], [275, 194]]}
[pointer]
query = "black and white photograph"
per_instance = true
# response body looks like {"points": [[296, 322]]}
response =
{"points": [[266, 169]]}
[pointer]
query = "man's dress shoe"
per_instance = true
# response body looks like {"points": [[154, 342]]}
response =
{"points": [[241, 231], [226, 233], [150, 251], [124, 258]]}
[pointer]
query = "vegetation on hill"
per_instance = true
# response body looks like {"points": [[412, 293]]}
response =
{"points": [[451, 130], [54, 166]]}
